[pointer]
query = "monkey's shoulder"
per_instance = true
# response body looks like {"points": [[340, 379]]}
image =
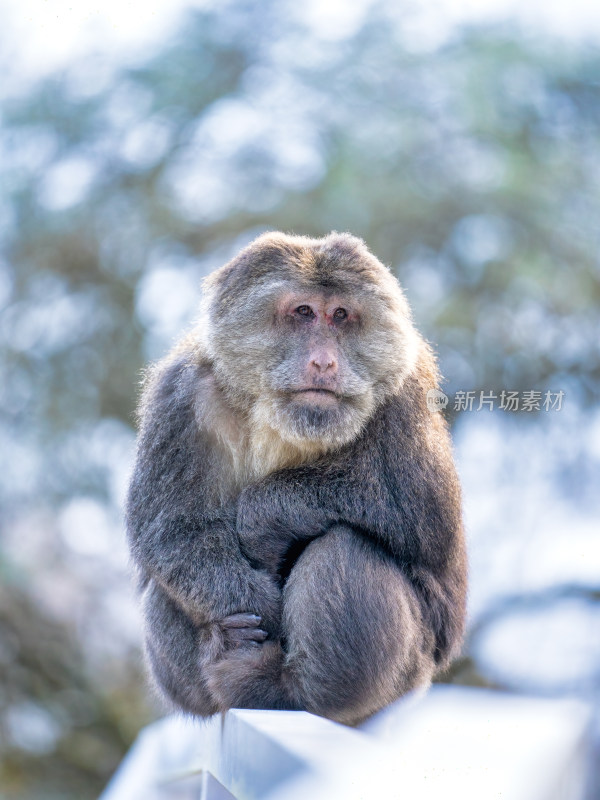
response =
{"points": [[178, 379], [404, 415]]}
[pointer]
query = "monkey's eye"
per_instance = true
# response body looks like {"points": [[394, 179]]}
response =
{"points": [[340, 313], [305, 311]]}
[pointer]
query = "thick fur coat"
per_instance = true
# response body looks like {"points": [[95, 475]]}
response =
{"points": [[294, 554]]}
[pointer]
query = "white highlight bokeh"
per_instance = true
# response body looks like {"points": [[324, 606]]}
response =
{"points": [[40, 36]]}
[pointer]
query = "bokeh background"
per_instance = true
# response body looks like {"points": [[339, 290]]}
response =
{"points": [[141, 146]]}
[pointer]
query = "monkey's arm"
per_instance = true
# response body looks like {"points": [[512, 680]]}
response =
{"points": [[278, 517], [397, 486], [413, 509], [179, 538]]}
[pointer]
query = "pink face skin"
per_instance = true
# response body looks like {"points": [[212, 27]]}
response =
{"points": [[321, 320]]}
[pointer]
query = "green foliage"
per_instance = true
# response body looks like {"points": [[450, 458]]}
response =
{"points": [[471, 170]]}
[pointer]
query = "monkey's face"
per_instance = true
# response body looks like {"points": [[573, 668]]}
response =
{"points": [[318, 386], [309, 339]]}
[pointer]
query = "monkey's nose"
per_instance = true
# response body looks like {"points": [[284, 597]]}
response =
{"points": [[323, 362]]}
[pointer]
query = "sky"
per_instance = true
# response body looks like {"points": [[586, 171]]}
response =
{"points": [[40, 36]]}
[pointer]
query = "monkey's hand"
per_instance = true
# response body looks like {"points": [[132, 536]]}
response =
{"points": [[242, 630]]}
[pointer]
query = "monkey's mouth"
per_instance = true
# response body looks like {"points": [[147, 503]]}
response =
{"points": [[318, 395], [316, 389]]}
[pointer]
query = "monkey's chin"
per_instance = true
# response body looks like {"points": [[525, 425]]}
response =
{"points": [[323, 420]]}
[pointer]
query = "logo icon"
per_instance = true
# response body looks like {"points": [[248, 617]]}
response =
{"points": [[436, 400]]}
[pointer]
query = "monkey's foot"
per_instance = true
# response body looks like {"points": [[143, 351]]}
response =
{"points": [[251, 678], [242, 630]]}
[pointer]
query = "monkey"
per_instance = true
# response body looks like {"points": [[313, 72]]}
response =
{"points": [[294, 512]]}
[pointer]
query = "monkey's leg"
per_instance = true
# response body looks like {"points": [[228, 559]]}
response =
{"points": [[179, 650], [356, 640], [355, 637]]}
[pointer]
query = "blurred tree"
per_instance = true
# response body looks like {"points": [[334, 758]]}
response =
{"points": [[471, 169]]}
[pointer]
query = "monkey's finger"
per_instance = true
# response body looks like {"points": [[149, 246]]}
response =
{"points": [[246, 635], [241, 621]]}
